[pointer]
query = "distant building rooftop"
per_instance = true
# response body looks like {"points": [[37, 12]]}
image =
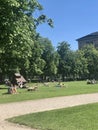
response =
{"points": [[87, 36]]}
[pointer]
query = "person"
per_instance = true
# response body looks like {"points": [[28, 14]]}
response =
{"points": [[20, 84], [8, 83], [12, 90], [14, 85]]}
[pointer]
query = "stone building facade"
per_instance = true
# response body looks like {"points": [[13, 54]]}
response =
{"points": [[88, 39]]}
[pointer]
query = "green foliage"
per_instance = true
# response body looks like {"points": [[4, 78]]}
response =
{"points": [[79, 65], [42, 19], [18, 34], [65, 57], [91, 54], [50, 56], [23, 50], [36, 62]]}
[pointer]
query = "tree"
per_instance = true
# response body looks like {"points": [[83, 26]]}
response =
{"points": [[36, 64], [18, 32], [64, 51], [50, 56], [79, 65], [91, 54]]}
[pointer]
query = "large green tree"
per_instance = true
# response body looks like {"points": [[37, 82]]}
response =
{"points": [[64, 51], [51, 58], [18, 32], [91, 54], [79, 65], [36, 63]]}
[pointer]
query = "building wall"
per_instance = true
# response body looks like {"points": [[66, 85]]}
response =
{"points": [[86, 41]]}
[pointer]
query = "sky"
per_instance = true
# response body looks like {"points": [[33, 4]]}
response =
{"points": [[72, 19]]}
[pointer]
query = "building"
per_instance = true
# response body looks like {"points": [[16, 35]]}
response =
{"points": [[88, 39]]}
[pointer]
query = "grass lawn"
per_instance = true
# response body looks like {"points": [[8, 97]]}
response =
{"points": [[84, 117], [70, 88]]}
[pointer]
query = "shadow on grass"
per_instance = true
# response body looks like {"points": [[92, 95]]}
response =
{"points": [[3, 88], [5, 93]]}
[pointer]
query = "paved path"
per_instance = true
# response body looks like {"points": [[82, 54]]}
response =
{"points": [[20, 108]]}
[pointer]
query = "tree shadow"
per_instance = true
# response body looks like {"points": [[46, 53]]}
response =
{"points": [[3, 88]]}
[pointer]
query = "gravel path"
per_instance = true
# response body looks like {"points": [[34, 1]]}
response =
{"points": [[19, 108]]}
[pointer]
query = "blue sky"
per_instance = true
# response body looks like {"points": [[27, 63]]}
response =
{"points": [[72, 20]]}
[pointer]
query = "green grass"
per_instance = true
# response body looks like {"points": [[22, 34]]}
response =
{"points": [[70, 88], [83, 117]]}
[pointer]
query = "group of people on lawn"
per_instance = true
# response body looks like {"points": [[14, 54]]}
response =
{"points": [[14, 84]]}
